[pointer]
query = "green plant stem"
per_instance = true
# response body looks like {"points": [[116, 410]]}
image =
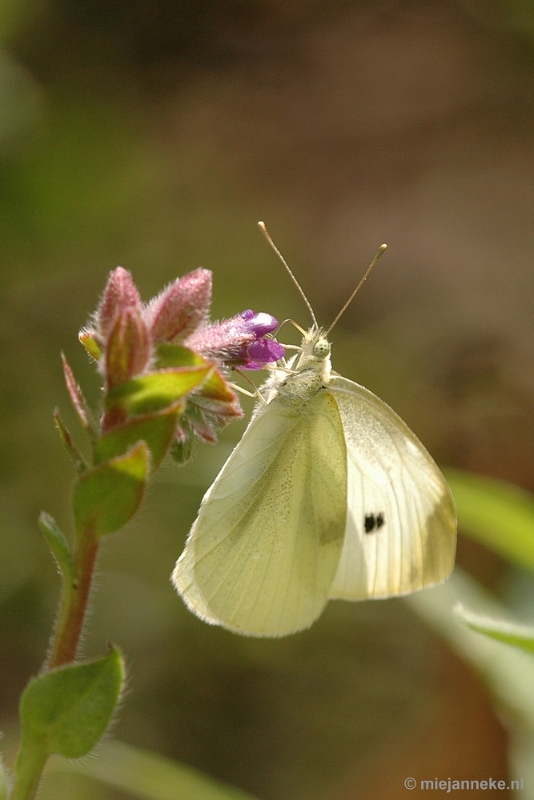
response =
{"points": [[74, 601], [28, 768], [76, 589]]}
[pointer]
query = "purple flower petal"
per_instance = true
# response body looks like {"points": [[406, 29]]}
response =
{"points": [[239, 341], [263, 351], [259, 324], [232, 334]]}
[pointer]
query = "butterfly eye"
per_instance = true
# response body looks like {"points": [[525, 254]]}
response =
{"points": [[321, 348]]}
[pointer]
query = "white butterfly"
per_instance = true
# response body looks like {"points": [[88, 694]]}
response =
{"points": [[327, 495]]}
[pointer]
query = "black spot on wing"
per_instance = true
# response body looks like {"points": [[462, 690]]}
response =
{"points": [[373, 522]]}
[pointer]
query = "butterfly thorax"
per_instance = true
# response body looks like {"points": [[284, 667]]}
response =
{"points": [[304, 374]]}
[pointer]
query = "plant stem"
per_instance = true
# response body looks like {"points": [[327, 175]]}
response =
{"points": [[76, 589], [28, 769], [74, 601]]}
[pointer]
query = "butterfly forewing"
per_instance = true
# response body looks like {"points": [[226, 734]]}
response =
{"points": [[263, 552], [401, 526]]}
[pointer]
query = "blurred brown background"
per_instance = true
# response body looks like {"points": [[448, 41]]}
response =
{"points": [[154, 135]]}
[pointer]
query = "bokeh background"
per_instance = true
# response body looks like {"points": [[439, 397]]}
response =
{"points": [[155, 135]]}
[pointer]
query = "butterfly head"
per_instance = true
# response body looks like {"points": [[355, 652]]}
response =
{"points": [[315, 346], [315, 352], [320, 346]]}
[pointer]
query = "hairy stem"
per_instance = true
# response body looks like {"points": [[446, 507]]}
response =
{"points": [[74, 601]]}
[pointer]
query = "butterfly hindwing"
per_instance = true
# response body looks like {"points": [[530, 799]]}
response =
{"points": [[401, 530]]}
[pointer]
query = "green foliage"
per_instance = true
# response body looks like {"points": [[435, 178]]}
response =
{"points": [[155, 391], [58, 544], [69, 706], [78, 400], [156, 429], [521, 636], [66, 438], [174, 355], [67, 710], [501, 516], [497, 514], [509, 678], [144, 775], [106, 497], [90, 344]]}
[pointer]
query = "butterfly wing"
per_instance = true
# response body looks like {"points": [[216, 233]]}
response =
{"points": [[262, 554], [401, 522]]}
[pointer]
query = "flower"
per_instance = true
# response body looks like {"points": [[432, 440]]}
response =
{"points": [[172, 331], [240, 341]]}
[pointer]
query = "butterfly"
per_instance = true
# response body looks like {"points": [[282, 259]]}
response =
{"points": [[328, 495]]}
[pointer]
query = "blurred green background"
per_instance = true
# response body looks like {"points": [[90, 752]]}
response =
{"points": [[155, 135]]}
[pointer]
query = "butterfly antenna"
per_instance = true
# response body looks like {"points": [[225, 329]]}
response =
{"points": [[286, 265], [359, 286]]}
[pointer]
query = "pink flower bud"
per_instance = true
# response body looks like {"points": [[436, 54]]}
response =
{"points": [[128, 348], [180, 308], [120, 293]]}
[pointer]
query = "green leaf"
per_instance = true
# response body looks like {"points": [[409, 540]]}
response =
{"points": [[90, 344], [498, 514], [76, 396], [214, 387], [503, 630], [215, 391], [68, 441], [65, 711], [57, 543], [107, 496], [509, 677], [144, 775], [155, 391], [173, 355], [68, 710], [157, 430]]}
